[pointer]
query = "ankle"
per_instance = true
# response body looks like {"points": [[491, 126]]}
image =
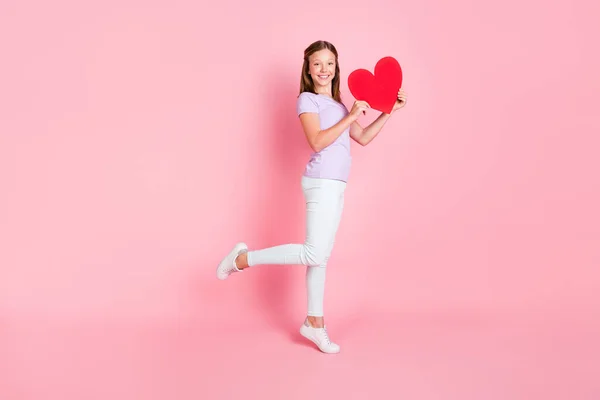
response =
{"points": [[315, 322], [241, 261]]}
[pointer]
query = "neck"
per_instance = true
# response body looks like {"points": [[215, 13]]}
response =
{"points": [[324, 90]]}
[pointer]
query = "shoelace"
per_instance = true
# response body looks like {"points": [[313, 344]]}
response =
{"points": [[326, 335]]}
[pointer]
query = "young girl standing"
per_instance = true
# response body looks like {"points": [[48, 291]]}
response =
{"points": [[328, 126]]}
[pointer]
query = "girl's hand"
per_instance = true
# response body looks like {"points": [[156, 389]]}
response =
{"points": [[357, 108], [401, 102]]}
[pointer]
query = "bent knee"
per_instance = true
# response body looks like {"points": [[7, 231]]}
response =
{"points": [[316, 256]]}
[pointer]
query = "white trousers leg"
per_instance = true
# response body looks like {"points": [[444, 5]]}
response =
{"points": [[324, 205]]}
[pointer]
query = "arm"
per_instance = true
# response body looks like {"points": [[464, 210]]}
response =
{"points": [[364, 136], [319, 139]]}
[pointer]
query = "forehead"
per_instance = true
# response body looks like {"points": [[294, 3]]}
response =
{"points": [[322, 55]]}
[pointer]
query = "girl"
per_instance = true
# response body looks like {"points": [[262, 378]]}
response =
{"points": [[328, 127]]}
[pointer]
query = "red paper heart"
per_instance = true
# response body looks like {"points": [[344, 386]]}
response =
{"points": [[379, 90]]}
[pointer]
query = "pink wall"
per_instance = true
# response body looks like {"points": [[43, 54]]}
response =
{"points": [[139, 141]]}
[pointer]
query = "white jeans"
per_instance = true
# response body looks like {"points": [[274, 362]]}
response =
{"points": [[324, 205]]}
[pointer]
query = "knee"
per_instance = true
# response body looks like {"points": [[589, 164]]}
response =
{"points": [[316, 256]]}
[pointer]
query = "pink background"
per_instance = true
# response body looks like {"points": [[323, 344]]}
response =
{"points": [[140, 140]]}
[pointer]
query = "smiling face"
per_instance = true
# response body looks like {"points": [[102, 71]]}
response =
{"points": [[322, 69]]}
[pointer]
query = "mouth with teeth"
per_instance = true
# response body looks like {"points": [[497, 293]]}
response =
{"points": [[323, 76]]}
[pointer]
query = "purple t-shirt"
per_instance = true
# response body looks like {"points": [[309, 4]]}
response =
{"points": [[333, 162]]}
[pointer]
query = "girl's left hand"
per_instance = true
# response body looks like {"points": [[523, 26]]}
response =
{"points": [[401, 102]]}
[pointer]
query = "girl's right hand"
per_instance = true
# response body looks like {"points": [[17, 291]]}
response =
{"points": [[358, 108]]}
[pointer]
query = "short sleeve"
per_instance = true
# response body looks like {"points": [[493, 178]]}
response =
{"points": [[306, 103]]}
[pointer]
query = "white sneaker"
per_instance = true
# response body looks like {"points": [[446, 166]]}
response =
{"points": [[227, 265], [319, 337]]}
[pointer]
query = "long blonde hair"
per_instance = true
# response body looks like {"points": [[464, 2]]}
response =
{"points": [[306, 82]]}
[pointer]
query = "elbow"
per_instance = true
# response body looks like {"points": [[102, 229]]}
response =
{"points": [[359, 137], [361, 141], [316, 146]]}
